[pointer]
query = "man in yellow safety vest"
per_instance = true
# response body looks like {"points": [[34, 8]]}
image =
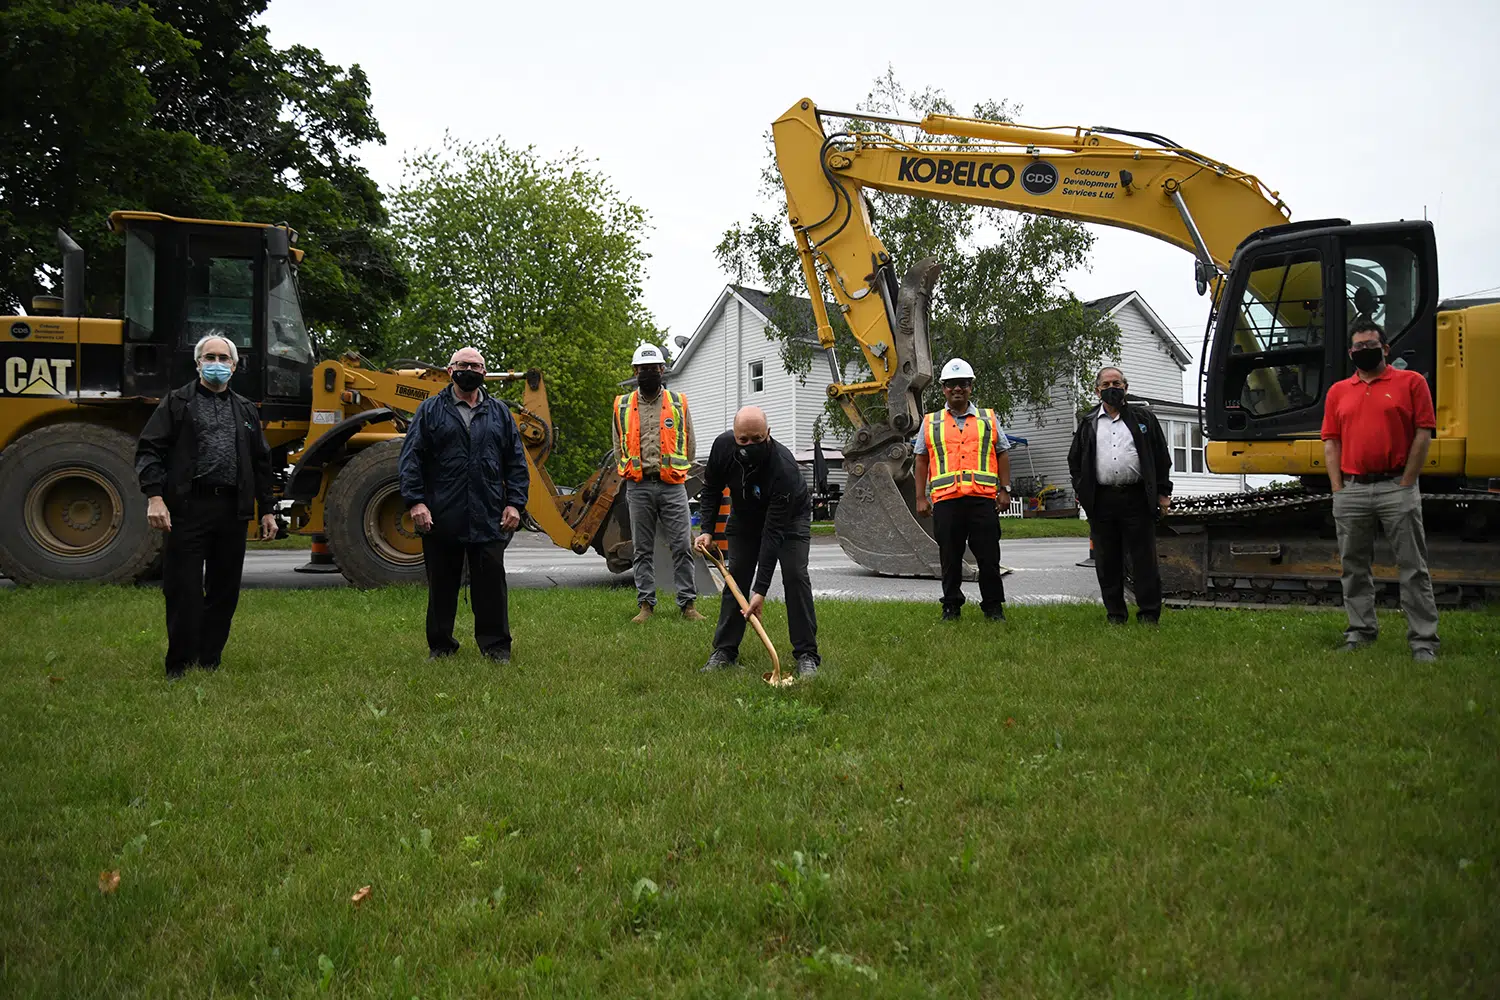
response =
{"points": [[962, 458], [655, 455]]}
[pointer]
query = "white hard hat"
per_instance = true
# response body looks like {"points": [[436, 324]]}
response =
{"points": [[648, 354], [957, 368]]}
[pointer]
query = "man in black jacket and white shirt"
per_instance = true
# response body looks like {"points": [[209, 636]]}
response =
{"points": [[1122, 469], [203, 462]]}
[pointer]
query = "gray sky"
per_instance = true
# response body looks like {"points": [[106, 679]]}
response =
{"points": [[1370, 111]]}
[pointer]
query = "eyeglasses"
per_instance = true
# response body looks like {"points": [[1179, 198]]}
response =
{"points": [[469, 366], [1113, 383], [959, 383]]}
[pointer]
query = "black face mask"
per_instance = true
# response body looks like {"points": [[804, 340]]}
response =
{"points": [[468, 380], [1367, 359], [1114, 396], [754, 454], [650, 382]]}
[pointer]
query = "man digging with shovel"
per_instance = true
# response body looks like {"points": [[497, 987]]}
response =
{"points": [[770, 519]]}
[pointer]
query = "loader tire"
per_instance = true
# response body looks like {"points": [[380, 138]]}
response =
{"points": [[370, 534], [74, 511]]}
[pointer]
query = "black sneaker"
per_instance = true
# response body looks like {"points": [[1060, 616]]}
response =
{"points": [[998, 615], [717, 660], [1352, 645], [950, 616], [1117, 620], [498, 656], [807, 666], [441, 654]]}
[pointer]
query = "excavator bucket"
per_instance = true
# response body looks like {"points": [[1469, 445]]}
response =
{"points": [[876, 521]]}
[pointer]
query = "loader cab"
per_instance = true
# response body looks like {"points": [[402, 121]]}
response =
{"points": [[186, 279], [1281, 336]]}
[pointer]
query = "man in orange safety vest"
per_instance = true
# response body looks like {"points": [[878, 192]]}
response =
{"points": [[963, 460], [655, 454]]}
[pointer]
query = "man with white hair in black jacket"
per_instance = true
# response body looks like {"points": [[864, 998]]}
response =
{"points": [[203, 462], [1122, 475]]}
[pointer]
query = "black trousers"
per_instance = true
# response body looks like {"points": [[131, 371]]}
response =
{"points": [[200, 578], [802, 619], [487, 591], [971, 522], [1123, 524]]}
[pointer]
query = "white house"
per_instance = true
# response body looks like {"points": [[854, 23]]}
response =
{"points": [[729, 362], [1153, 361]]}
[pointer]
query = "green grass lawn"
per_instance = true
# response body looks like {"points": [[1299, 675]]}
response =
{"points": [[1043, 808]]}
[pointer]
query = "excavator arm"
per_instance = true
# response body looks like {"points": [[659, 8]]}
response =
{"points": [[1151, 186], [1086, 175]]}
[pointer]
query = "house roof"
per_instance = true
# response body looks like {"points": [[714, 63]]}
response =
{"points": [[760, 302], [1111, 304], [1107, 304]]}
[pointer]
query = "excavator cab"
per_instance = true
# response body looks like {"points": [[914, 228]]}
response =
{"points": [[188, 278], [1293, 293]]}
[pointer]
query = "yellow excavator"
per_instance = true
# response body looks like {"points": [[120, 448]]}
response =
{"points": [[1284, 296], [75, 392]]}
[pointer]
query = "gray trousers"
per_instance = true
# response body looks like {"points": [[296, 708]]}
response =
{"points": [[1357, 509], [654, 504]]}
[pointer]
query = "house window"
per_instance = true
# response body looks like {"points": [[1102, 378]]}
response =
{"points": [[757, 376], [1187, 447]]}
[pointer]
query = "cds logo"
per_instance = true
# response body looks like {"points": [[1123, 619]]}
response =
{"points": [[20, 331], [1039, 178]]}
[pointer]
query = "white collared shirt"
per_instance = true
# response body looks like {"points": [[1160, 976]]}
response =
{"points": [[1116, 462]]}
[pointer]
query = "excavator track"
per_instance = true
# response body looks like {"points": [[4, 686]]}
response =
{"points": [[1280, 548]]}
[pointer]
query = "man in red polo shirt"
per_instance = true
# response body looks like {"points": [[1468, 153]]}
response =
{"points": [[1377, 426]]}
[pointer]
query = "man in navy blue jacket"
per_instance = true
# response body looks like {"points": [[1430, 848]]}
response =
{"points": [[465, 480]]}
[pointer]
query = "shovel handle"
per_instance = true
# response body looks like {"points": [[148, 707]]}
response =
{"points": [[760, 630]]}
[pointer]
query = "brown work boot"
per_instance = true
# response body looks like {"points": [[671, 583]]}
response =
{"points": [[645, 613], [691, 613]]}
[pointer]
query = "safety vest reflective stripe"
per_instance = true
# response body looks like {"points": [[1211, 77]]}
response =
{"points": [[677, 457], [963, 461], [675, 461]]}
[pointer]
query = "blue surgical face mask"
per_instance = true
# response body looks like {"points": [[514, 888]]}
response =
{"points": [[216, 372]]}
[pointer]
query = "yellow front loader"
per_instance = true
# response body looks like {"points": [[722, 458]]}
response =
{"points": [[75, 392]]}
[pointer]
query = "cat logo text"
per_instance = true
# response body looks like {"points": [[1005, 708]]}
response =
{"points": [[37, 376]]}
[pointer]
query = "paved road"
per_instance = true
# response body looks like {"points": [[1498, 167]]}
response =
{"points": [[1042, 572]]}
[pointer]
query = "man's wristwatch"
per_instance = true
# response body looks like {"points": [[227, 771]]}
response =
{"points": [[1005, 487]]}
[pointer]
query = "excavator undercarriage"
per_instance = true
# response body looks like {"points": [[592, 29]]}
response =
{"points": [[1280, 547]]}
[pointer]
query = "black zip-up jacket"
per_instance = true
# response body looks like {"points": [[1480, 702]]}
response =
{"points": [[166, 456], [466, 476], [770, 500], [1150, 447]]}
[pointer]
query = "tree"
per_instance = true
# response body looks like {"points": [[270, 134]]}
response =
{"points": [[186, 108], [538, 264], [999, 303]]}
